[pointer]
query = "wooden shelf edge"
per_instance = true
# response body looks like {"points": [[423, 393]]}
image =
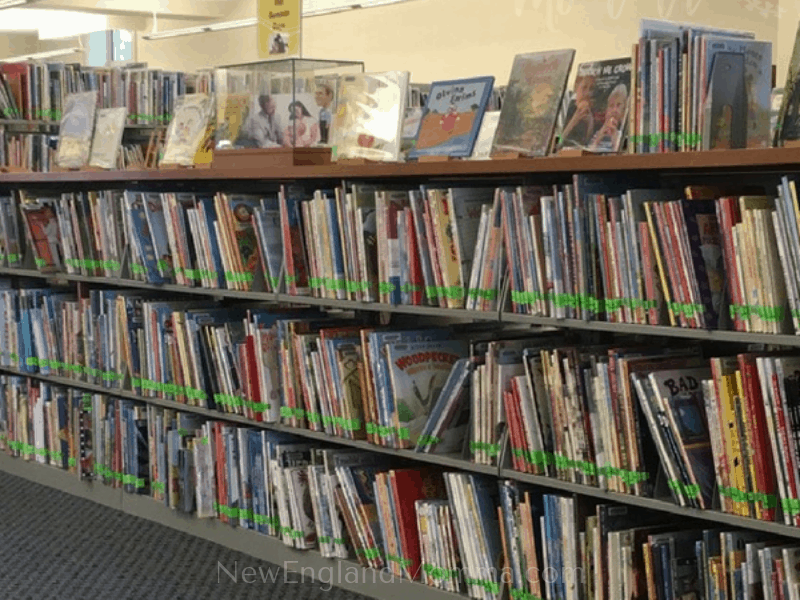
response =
{"points": [[775, 159]]}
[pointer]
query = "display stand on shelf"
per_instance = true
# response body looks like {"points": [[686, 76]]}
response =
{"points": [[254, 158], [439, 158]]}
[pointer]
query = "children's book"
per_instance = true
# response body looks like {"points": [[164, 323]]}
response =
{"points": [[452, 117], [530, 109]]}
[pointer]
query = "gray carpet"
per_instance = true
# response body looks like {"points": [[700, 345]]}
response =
{"points": [[61, 547]]}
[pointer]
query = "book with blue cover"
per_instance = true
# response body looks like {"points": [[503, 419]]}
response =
{"points": [[452, 117]]}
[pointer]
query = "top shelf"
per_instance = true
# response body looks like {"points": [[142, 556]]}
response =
{"points": [[763, 160]]}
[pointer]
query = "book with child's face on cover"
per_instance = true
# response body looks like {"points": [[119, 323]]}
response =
{"points": [[452, 117], [598, 112], [530, 109]]}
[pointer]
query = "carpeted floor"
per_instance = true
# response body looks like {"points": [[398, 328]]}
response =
{"points": [[57, 546]]}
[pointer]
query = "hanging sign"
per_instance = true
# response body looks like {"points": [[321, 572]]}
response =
{"points": [[279, 28]]}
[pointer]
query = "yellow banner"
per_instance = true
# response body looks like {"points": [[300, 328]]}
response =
{"points": [[279, 28]]}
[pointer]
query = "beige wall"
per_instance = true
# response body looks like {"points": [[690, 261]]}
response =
{"points": [[14, 44], [437, 39]]}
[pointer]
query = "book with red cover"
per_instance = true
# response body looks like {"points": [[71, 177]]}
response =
{"points": [[294, 257], [16, 76], [758, 432], [408, 486]]}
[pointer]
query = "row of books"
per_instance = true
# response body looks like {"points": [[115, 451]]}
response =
{"points": [[454, 531], [38, 91], [26, 151], [645, 421], [393, 387], [596, 249], [686, 76]]}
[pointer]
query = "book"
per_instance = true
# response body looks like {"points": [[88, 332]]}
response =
{"points": [[75, 132], [187, 129], [535, 91], [452, 117], [597, 116], [369, 115], [788, 123], [108, 130]]}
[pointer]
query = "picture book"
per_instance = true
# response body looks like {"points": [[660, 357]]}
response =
{"points": [[533, 97], [75, 132], [369, 116], [418, 372], [483, 143], [452, 117], [597, 114], [232, 113], [788, 125], [107, 137], [738, 99], [187, 129]]}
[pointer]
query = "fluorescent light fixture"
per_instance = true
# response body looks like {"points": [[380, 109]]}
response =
{"points": [[10, 3], [160, 35], [318, 7], [315, 8], [42, 55]]}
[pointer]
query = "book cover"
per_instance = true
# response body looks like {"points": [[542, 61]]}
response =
{"points": [[418, 372], [597, 115], [482, 148], [186, 130], [788, 125], [75, 132], [535, 91], [369, 116], [107, 137], [452, 117]]}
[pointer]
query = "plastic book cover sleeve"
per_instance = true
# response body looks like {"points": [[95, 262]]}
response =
{"points": [[107, 137], [534, 94], [187, 129], [452, 117], [597, 113], [75, 132], [369, 115]]}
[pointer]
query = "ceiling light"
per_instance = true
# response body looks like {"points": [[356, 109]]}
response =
{"points": [[160, 35], [41, 55], [338, 6]]}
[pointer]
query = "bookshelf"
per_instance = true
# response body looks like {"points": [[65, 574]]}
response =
{"points": [[501, 471], [776, 160], [680, 165]]}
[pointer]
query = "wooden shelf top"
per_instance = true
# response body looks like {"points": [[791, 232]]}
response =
{"points": [[766, 159]]}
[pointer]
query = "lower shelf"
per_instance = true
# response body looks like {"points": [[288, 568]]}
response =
{"points": [[345, 574]]}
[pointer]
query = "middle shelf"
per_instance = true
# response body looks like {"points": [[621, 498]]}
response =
{"points": [[451, 461], [456, 314]]}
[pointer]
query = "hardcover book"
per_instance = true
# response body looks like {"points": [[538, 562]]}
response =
{"points": [[598, 112], [452, 117], [788, 126], [108, 137], [369, 116], [187, 129], [530, 109], [483, 143], [75, 133]]}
